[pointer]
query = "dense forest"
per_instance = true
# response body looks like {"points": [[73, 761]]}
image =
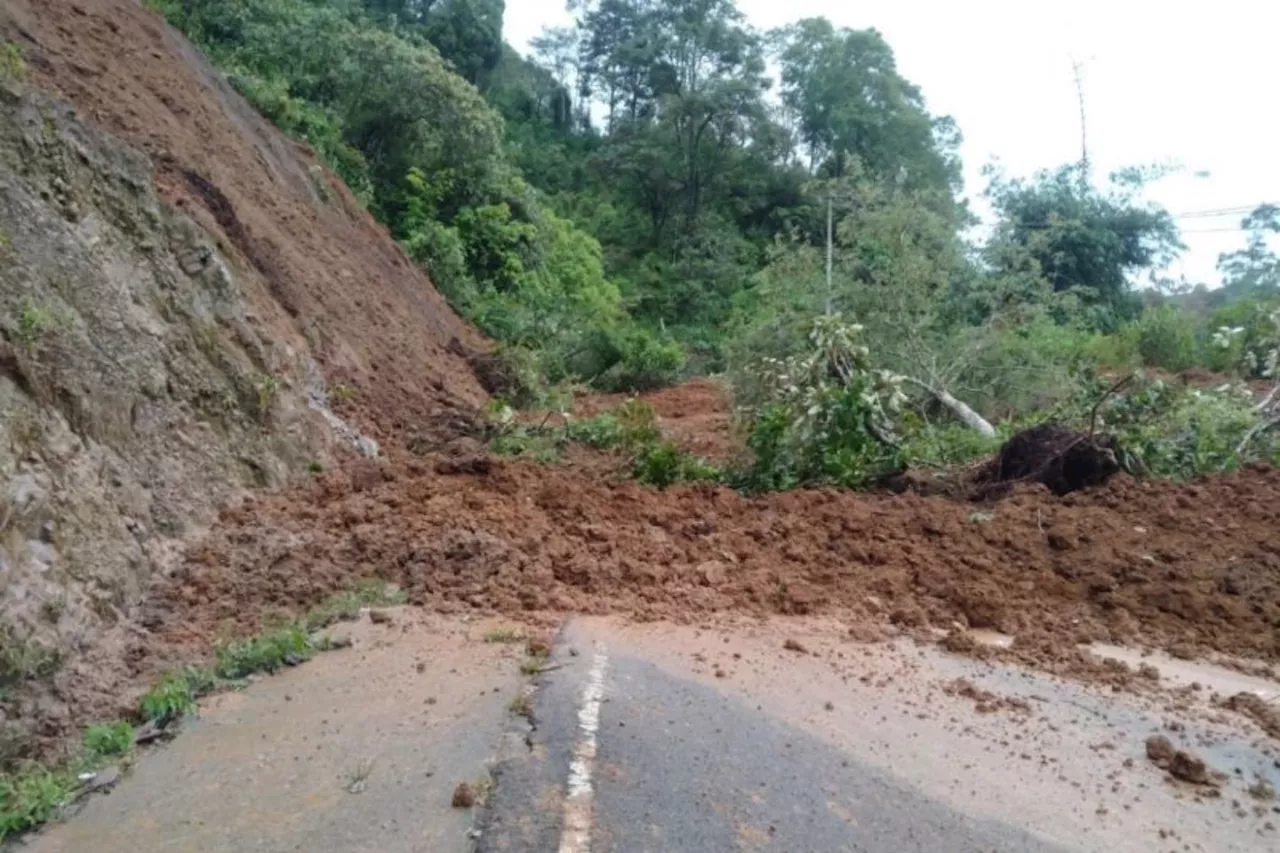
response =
{"points": [[650, 194]]}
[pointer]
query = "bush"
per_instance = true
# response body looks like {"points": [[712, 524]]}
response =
{"points": [[1166, 338], [644, 361], [1170, 430], [174, 695], [826, 416]]}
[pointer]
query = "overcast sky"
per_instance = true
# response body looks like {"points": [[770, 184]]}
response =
{"points": [[1190, 83]]}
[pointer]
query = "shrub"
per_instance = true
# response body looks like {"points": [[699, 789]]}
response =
{"points": [[826, 416], [1166, 338], [174, 695], [644, 361], [1170, 430]]}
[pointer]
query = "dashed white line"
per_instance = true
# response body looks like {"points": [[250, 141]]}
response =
{"points": [[576, 835]]}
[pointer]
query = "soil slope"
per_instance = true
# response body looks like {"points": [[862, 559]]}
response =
{"points": [[321, 265]]}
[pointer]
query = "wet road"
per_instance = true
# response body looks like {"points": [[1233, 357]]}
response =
{"points": [[788, 735], [710, 741]]}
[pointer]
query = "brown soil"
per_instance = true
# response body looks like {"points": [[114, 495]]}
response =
{"points": [[312, 260], [696, 415], [1194, 567]]}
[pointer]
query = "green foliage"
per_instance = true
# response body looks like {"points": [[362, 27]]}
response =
{"points": [[1082, 239], [822, 417], [108, 740], [947, 445], [632, 430], [31, 795], [35, 321], [643, 361], [269, 652], [1166, 338], [174, 694], [1171, 430]]}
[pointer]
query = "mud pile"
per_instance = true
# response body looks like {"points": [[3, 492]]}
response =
{"points": [[1194, 568]]}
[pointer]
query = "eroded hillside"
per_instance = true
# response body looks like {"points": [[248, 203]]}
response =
{"points": [[182, 292]]}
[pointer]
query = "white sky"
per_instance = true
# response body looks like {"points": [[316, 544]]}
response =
{"points": [[1189, 83]]}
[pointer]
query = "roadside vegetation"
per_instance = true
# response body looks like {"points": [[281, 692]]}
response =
{"points": [[32, 793]]}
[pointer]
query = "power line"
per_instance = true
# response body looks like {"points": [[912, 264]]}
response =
{"points": [[1224, 211]]}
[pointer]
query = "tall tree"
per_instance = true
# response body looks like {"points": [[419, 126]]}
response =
{"points": [[845, 95], [1255, 269], [1083, 239]]}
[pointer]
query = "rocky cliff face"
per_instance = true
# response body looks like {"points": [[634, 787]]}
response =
{"points": [[180, 287]]}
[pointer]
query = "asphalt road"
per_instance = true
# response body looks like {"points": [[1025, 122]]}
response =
{"points": [[791, 735], [722, 740], [683, 768]]}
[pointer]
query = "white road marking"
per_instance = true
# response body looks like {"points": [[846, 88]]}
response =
{"points": [[576, 835]]}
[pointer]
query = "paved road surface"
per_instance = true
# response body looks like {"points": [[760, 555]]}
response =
{"points": [[669, 739]]}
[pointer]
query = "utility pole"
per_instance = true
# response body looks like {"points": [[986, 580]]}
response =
{"points": [[1084, 134], [830, 240]]}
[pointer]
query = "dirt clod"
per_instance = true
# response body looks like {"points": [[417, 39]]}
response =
{"points": [[1181, 764], [380, 617], [464, 796], [1189, 768], [1160, 749], [795, 646]]}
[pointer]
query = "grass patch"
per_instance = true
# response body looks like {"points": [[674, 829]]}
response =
{"points": [[108, 740], [505, 635], [12, 64], [32, 793], [269, 652], [358, 776], [346, 606], [34, 322], [631, 429], [174, 694]]}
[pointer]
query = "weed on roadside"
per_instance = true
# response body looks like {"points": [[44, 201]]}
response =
{"points": [[533, 665], [108, 740], [346, 606], [521, 705], [33, 793], [270, 652], [174, 694], [357, 778]]}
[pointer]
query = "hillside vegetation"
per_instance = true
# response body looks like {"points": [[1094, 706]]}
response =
{"points": [[639, 199]]}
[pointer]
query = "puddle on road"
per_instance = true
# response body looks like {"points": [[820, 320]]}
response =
{"points": [[1214, 678]]}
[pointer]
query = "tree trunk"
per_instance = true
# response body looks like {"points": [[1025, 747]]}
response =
{"points": [[968, 416]]}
